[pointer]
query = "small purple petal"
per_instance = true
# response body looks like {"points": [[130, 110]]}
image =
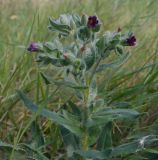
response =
{"points": [[94, 18]]}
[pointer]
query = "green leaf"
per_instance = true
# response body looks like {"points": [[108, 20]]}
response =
{"points": [[152, 151], [119, 50], [104, 140], [71, 118], [137, 157], [31, 152], [37, 139], [122, 150], [76, 18], [117, 113], [50, 59], [61, 82], [84, 33], [23, 151], [66, 19], [97, 28], [45, 79], [100, 44], [71, 142], [53, 46], [94, 154], [57, 26], [55, 117], [152, 75], [151, 154], [73, 109], [135, 146], [5, 145], [84, 19], [105, 115], [121, 59], [46, 113], [89, 57], [127, 148], [92, 91]]}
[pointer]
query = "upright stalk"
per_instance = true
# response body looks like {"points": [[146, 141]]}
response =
{"points": [[84, 121], [86, 106]]}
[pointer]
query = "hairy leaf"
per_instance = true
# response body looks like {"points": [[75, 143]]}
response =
{"points": [[56, 117]]}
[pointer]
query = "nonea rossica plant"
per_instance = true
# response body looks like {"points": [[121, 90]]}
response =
{"points": [[85, 121]]}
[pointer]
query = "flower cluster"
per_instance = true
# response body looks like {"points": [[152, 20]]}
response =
{"points": [[84, 34]]}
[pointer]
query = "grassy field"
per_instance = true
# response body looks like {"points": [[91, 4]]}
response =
{"points": [[23, 21]]}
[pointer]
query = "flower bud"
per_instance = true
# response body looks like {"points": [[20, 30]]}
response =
{"points": [[131, 41], [33, 47], [92, 22], [65, 56]]}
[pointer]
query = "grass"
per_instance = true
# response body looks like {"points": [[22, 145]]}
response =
{"points": [[134, 82]]}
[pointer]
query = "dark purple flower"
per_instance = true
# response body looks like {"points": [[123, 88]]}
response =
{"points": [[131, 41], [92, 22], [33, 47]]}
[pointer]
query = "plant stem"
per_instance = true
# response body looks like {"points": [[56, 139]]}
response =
{"points": [[85, 107], [84, 121], [94, 70]]}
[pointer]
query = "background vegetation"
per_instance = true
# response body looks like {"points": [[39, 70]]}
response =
{"points": [[133, 84]]}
